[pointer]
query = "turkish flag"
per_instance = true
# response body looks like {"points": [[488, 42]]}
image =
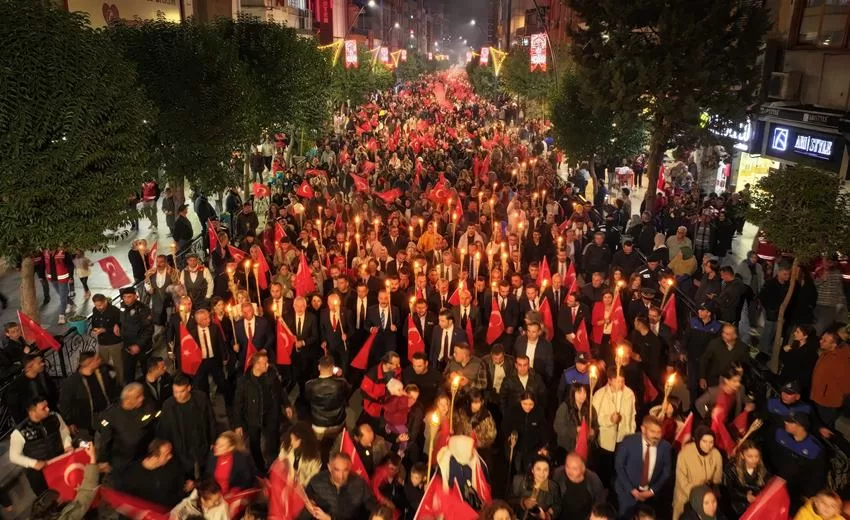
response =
{"points": [[213, 236], [582, 343], [238, 501], [684, 434], [304, 284], [360, 184], [305, 190], [619, 330], [389, 196], [286, 497], [315, 172], [440, 193], [368, 167], [33, 333], [459, 209], [285, 343], [544, 274], [742, 422], [649, 391], [133, 507], [190, 352], [263, 270], [570, 279], [454, 298], [670, 313], [152, 254], [117, 276], [249, 353], [772, 503], [65, 473], [415, 343], [279, 232], [581, 441], [469, 332], [438, 502], [497, 324], [347, 446], [237, 254], [339, 225], [722, 439], [260, 190], [361, 360], [546, 312]]}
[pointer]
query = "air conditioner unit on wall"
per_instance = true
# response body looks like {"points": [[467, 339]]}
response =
{"points": [[784, 85]]}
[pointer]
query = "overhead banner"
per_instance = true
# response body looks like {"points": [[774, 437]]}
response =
{"points": [[484, 57], [537, 48], [430, 56], [468, 56], [384, 55], [350, 54], [404, 55]]}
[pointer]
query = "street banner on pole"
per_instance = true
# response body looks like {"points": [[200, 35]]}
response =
{"points": [[537, 48], [350, 54], [484, 57]]}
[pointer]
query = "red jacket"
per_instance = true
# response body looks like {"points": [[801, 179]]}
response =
{"points": [[56, 266], [375, 390]]}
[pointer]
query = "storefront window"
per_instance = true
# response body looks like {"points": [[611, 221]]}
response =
{"points": [[824, 23]]}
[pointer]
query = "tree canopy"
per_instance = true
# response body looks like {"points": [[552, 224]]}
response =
{"points": [[483, 79], [690, 69], [355, 84]]}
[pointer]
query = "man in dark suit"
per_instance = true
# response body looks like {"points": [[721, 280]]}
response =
{"points": [[213, 353], [641, 307], [439, 299], [335, 324], [643, 467], [660, 329], [275, 305], [509, 308], [467, 313], [394, 242], [304, 355], [383, 319], [435, 256], [420, 289], [538, 350], [256, 331], [399, 263], [444, 339], [423, 320], [530, 301], [570, 318], [500, 367]]}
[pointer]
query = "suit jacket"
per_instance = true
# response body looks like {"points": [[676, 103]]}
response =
{"points": [[412, 292], [554, 305], [566, 324], [508, 365], [474, 315], [458, 336], [352, 308], [443, 271], [430, 323], [219, 347], [432, 259], [435, 302], [374, 285], [628, 467], [309, 330], [636, 308], [544, 355], [285, 307], [393, 248], [264, 338], [334, 337], [510, 314], [525, 306]]}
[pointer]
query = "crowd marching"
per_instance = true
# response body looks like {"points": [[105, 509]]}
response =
{"points": [[432, 319]]}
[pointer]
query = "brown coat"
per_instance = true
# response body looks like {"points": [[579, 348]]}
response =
{"points": [[830, 383], [693, 469]]}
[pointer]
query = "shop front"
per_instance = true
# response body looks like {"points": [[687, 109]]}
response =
{"points": [[104, 12]]}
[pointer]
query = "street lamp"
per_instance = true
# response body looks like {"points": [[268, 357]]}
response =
{"points": [[397, 25], [371, 3], [472, 22]]}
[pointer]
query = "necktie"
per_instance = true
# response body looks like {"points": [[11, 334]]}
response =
{"points": [[333, 321], [362, 314], [644, 475], [533, 304], [207, 344], [445, 344], [250, 331], [557, 296], [504, 303], [383, 319], [575, 311], [300, 325]]}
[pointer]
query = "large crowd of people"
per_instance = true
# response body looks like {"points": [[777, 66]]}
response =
{"points": [[437, 306]]}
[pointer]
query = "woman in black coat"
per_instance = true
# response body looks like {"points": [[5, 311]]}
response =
{"points": [[525, 426], [745, 476], [797, 360], [725, 231]]}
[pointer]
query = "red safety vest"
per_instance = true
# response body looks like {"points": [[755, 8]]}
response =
{"points": [[55, 267]]}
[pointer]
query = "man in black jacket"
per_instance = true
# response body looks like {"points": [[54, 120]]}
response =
{"points": [[30, 383], [182, 233], [156, 383], [328, 398], [136, 333], [733, 293], [213, 353], [86, 393], [626, 259], [187, 421], [124, 431], [523, 379], [257, 410], [336, 325], [105, 326], [336, 493], [158, 478]]}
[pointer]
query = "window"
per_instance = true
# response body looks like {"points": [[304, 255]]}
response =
{"points": [[824, 23]]}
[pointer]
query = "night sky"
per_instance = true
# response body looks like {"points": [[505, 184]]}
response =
{"points": [[458, 15]]}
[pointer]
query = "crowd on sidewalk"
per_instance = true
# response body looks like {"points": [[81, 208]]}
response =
{"points": [[428, 321]]}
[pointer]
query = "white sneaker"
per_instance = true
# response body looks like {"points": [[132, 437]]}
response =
{"points": [[69, 309], [61, 320]]}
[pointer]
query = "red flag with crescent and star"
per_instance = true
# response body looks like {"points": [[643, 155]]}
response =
{"points": [[684, 434], [190, 352], [581, 343], [249, 353], [347, 446], [497, 324], [260, 190], [285, 343], [361, 360], [305, 190], [33, 333], [117, 276], [212, 235], [415, 343], [263, 270], [544, 274], [548, 323], [669, 312], [390, 195], [571, 280], [64, 474], [360, 184], [440, 193], [279, 233], [286, 497], [772, 502], [619, 330], [129, 506], [304, 284], [438, 502], [237, 254]]}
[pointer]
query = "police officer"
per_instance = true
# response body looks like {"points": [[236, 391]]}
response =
{"points": [[798, 457], [651, 272], [40, 437], [788, 402], [136, 333], [578, 373], [124, 431]]}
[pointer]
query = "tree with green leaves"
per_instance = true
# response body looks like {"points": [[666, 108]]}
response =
{"points": [[413, 68], [520, 81], [801, 210], [355, 84], [198, 84], [587, 130], [73, 133], [483, 79], [689, 69]]}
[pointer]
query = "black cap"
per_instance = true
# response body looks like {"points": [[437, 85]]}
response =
{"points": [[582, 357], [706, 306], [798, 418], [791, 387], [127, 290], [647, 292]]}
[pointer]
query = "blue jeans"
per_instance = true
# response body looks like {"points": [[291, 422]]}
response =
{"points": [[62, 290]]}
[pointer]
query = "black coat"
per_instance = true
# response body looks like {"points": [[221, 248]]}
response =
{"points": [[328, 398], [75, 402], [258, 401], [190, 427], [532, 433]]}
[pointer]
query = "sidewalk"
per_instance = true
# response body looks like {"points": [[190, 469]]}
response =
{"points": [[98, 281]]}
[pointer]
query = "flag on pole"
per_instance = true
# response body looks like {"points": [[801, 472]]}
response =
{"points": [[237, 254], [117, 276], [415, 343], [581, 441], [442, 502], [361, 360], [347, 446], [619, 330], [133, 507], [772, 502], [279, 232], [669, 312], [570, 280], [33, 333], [249, 353], [212, 235], [684, 435], [285, 343], [190, 352], [497, 325], [286, 498], [65, 473], [543, 274], [582, 342], [304, 284], [548, 322], [305, 190]]}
